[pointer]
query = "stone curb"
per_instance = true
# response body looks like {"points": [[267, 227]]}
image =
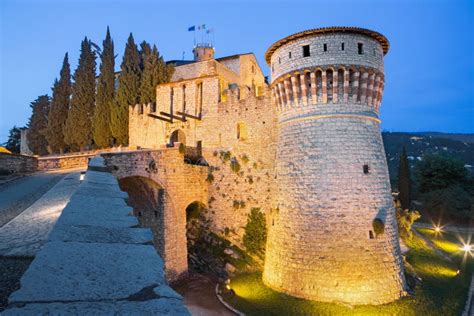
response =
{"points": [[225, 304]]}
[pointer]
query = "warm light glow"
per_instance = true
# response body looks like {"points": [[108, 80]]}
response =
{"points": [[227, 286], [466, 248], [82, 176], [437, 229]]}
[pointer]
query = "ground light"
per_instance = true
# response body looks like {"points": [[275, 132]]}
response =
{"points": [[466, 248], [82, 176]]}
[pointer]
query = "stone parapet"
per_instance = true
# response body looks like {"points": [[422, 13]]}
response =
{"points": [[96, 262]]}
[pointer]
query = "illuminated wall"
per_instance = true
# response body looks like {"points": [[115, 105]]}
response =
{"points": [[332, 177]]}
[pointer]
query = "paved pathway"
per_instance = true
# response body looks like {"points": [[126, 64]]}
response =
{"points": [[24, 235], [19, 194], [199, 296]]}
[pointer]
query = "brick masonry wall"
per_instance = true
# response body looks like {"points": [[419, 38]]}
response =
{"points": [[321, 243], [182, 183], [13, 163], [372, 56]]}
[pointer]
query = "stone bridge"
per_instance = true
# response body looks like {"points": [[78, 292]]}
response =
{"points": [[161, 186]]}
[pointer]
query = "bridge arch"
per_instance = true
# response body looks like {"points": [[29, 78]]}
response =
{"points": [[177, 136]]}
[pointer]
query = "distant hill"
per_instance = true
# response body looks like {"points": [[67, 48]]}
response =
{"points": [[460, 146], [467, 138]]}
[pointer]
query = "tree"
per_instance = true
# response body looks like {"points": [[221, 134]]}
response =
{"points": [[155, 71], [78, 127], [59, 109], [105, 94], [404, 181], [128, 92], [452, 202], [37, 125], [437, 172], [13, 143]]}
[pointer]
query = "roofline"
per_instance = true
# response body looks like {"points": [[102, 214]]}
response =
{"points": [[233, 56], [325, 30]]}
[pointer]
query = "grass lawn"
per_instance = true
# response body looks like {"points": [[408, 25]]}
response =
{"points": [[442, 292]]}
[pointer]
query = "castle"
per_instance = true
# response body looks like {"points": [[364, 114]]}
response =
{"points": [[309, 154]]}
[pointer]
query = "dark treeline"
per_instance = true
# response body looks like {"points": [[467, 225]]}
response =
{"points": [[87, 111]]}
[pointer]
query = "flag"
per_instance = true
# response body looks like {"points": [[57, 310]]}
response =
{"points": [[202, 27], [192, 28], [210, 31]]}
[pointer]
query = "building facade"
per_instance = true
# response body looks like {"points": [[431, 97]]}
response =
{"points": [[310, 155]]}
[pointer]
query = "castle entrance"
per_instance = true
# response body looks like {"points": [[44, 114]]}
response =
{"points": [[177, 136]]}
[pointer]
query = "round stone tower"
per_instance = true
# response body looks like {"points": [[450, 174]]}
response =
{"points": [[334, 235]]}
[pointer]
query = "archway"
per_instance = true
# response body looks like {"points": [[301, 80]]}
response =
{"points": [[177, 136], [205, 249], [147, 199]]}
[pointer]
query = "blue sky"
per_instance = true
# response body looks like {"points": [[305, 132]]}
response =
{"points": [[429, 68]]}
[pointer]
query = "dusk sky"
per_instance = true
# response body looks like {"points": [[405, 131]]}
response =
{"points": [[429, 69]]}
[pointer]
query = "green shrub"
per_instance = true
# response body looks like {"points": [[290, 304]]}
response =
{"points": [[234, 165], [238, 204], [379, 226], [245, 159], [210, 177], [255, 235], [225, 155], [405, 219]]}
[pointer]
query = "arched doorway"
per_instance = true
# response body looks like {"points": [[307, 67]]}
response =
{"points": [[177, 136]]}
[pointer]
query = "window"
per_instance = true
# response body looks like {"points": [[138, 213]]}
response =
{"points": [[199, 102], [253, 69], [360, 48], [342, 46], [306, 52], [171, 100], [289, 55], [273, 68], [241, 131], [184, 98], [325, 47], [375, 51], [279, 60], [371, 234], [366, 169]]}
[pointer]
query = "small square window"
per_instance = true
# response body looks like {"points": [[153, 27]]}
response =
{"points": [[306, 52], [289, 55], [360, 48], [342, 46], [366, 169], [325, 47], [371, 234]]}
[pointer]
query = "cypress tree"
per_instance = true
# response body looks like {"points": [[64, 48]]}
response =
{"points": [[78, 127], [105, 94], [13, 143], [128, 92], [59, 109], [404, 182], [155, 71], [37, 125]]}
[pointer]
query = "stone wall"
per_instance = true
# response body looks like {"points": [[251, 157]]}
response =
{"points": [[64, 162], [12, 163], [332, 178], [162, 177], [372, 56]]}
